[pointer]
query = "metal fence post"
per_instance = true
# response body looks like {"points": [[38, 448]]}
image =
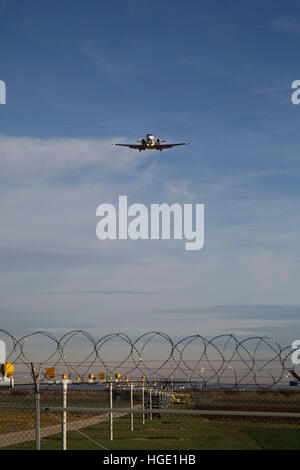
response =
{"points": [[37, 420], [37, 410], [64, 415], [131, 406], [150, 402], [111, 414], [143, 402]]}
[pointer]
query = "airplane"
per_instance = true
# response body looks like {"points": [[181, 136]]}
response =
{"points": [[150, 143]]}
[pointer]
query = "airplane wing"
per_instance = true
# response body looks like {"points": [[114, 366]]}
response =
{"points": [[131, 146], [168, 146]]}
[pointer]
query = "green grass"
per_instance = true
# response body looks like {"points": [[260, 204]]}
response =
{"points": [[179, 433], [171, 432], [276, 438]]}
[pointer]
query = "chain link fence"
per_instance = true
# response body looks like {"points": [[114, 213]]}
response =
{"points": [[151, 393], [137, 417]]}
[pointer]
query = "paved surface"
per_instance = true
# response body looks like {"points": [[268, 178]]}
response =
{"points": [[29, 434]]}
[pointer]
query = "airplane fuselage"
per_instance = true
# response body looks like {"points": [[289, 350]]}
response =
{"points": [[149, 142]]}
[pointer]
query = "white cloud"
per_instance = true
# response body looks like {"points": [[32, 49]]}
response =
{"points": [[49, 193], [31, 156], [287, 24]]}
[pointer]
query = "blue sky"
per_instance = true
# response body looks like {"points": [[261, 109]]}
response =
{"points": [[80, 75]]}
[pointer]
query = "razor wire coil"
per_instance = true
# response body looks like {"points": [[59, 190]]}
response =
{"points": [[224, 360]]}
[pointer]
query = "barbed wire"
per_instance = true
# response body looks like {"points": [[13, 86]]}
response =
{"points": [[223, 361]]}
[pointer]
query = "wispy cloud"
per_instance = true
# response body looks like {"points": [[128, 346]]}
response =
{"points": [[286, 24], [97, 292], [103, 64], [3, 6], [181, 189], [26, 155], [53, 263]]}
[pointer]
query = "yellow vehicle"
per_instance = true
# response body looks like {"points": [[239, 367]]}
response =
{"points": [[181, 398]]}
